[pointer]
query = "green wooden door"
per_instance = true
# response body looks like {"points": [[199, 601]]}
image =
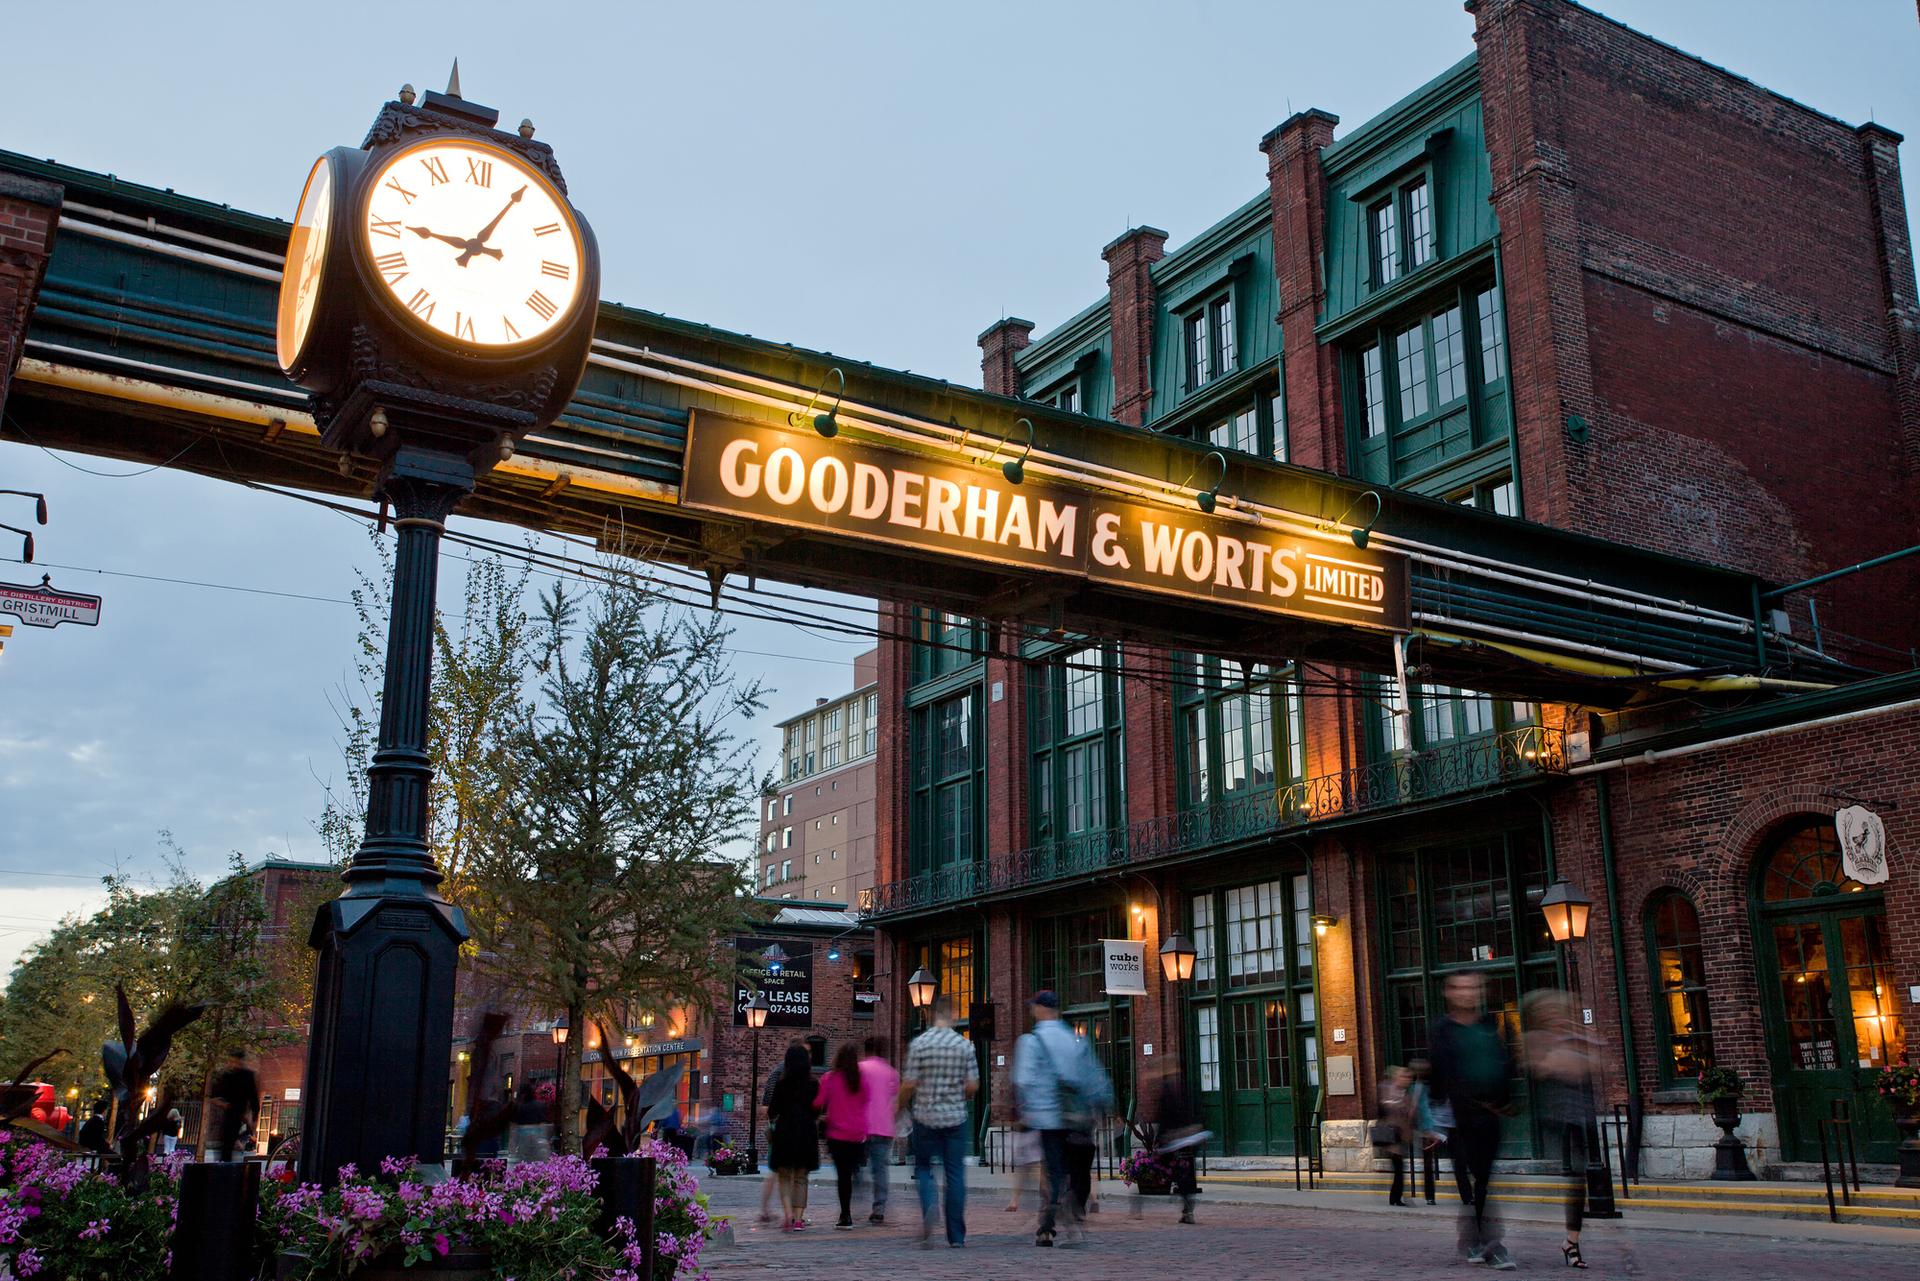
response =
{"points": [[1259, 1104], [1833, 1024]]}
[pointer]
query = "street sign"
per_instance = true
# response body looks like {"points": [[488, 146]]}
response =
{"points": [[44, 606]]}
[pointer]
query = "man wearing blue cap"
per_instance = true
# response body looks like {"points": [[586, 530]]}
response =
{"points": [[1061, 1090]]}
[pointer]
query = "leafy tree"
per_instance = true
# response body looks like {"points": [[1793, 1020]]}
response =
{"points": [[603, 884], [479, 671]]}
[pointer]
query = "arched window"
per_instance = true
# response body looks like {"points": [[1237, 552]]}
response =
{"points": [[1679, 987], [1806, 864]]}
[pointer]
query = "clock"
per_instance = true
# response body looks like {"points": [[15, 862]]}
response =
{"points": [[471, 246], [306, 262]]}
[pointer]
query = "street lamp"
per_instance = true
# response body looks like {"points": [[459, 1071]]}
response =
{"points": [[560, 1030], [1322, 923], [756, 1019], [1176, 957], [1567, 910], [920, 988]]}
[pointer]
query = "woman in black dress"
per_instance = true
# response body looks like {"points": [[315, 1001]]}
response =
{"points": [[794, 1149]]}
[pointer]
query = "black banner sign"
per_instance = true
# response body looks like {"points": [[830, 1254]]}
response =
{"points": [[780, 970], [859, 490]]}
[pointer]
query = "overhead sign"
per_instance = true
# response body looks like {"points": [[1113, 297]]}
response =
{"points": [[859, 490], [43, 606], [1126, 966], [1863, 844], [780, 970]]}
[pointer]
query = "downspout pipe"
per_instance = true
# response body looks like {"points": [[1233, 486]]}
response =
{"points": [[1617, 927]]}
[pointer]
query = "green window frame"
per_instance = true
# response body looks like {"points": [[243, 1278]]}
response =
{"points": [[1254, 939], [1255, 425], [1210, 340], [1439, 716], [943, 644], [946, 772], [1074, 721], [1421, 367], [1403, 231], [1238, 729], [1677, 978]]}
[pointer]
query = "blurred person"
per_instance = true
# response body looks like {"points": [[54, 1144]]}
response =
{"points": [[1473, 1075], [530, 1138], [1426, 1128], [1560, 1065], [942, 1073], [93, 1131], [1062, 1092], [770, 1186], [1179, 1136], [793, 1147], [237, 1090], [842, 1102], [881, 1085], [1028, 1165], [1393, 1130]]}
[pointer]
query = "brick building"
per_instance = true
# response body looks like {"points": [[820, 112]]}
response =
{"points": [[1581, 279], [816, 825]]}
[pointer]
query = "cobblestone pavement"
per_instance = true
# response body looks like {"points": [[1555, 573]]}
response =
{"points": [[1258, 1241]]}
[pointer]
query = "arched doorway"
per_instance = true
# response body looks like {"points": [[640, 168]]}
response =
{"points": [[1827, 989]]}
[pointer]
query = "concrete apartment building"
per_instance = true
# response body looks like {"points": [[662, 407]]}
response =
{"points": [[817, 824]]}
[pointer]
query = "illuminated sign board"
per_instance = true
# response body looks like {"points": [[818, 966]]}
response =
{"points": [[858, 490]]}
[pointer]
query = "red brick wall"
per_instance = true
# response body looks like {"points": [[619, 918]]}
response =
{"points": [[998, 346], [1298, 191], [29, 215], [1714, 278], [1130, 311]]}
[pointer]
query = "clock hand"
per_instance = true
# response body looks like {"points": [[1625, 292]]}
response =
{"points": [[479, 242], [466, 245]]}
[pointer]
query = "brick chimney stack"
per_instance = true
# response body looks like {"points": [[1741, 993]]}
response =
{"points": [[1130, 318], [999, 344]]}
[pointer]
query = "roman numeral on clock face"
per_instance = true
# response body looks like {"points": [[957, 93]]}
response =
{"points": [[421, 304], [512, 333], [405, 195], [558, 270], [392, 267], [463, 327], [542, 305], [385, 226], [480, 172], [436, 170], [546, 229]]}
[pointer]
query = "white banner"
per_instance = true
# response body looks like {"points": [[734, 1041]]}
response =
{"points": [[1863, 844], [1126, 966]]}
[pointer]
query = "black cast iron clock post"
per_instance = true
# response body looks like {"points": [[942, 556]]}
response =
{"points": [[438, 302]]}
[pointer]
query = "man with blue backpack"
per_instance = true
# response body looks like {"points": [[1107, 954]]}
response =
{"points": [[1062, 1092]]}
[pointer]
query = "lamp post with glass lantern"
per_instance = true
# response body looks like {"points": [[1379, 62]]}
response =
{"points": [[1567, 911], [756, 1019]]}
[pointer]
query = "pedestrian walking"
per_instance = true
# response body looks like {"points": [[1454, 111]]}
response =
{"points": [[93, 1131], [237, 1091], [1473, 1074], [1062, 1092], [1426, 1130], [881, 1084], [1393, 1130], [942, 1073], [794, 1145], [1178, 1136], [1560, 1064], [842, 1103], [170, 1131], [531, 1135], [770, 1186], [1023, 1152]]}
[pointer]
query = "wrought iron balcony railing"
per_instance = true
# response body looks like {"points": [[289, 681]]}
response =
{"points": [[1404, 781]]}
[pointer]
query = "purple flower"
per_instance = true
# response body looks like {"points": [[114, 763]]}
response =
{"points": [[441, 1245]]}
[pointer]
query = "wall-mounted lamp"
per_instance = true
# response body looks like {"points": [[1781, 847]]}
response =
{"points": [[1176, 957], [1014, 469], [1322, 923], [826, 424], [833, 952], [1566, 910], [1207, 499], [1360, 533]]}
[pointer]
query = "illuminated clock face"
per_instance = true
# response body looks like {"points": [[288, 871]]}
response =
{"points": [[474, 246], [306, 257]]}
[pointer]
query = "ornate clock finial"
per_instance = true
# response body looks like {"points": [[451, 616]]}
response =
{"points": [[453, 80], [407, 95], [526, 127]]}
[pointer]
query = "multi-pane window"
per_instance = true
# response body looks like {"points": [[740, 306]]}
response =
{"points": [[1449, 359], [1493, 336], [1420, 240], [1254, 972], [1277, 416], [830, 744], [1240, 431], [1211, 341], [1384, 221], [1068, 398], [1240, 729], [1495, 494], [1073, 703], [943, 643], [1374, 390], [1069, 959], [1441, 714], [1410, 368], [1679, 986], [1254, 426], [946, 769]]}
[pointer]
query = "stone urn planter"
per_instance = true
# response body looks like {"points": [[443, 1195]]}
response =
{"points": [[1729, 1153], [1908, 1124]]}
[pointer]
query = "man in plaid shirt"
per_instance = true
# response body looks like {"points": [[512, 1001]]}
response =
{"points": [[942, 1074]]}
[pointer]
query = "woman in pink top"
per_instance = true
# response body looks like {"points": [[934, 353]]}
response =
{"points": [[844, 1102], [883, 1105]]}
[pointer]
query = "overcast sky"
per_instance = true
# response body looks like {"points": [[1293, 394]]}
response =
{"points": [[878, 180]]}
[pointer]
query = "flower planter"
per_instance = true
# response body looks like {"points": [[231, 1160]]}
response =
{"points": [[1152, 1185], [1729, 1153], [1908, 1123], [725, 1168], [461, 1265]]}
